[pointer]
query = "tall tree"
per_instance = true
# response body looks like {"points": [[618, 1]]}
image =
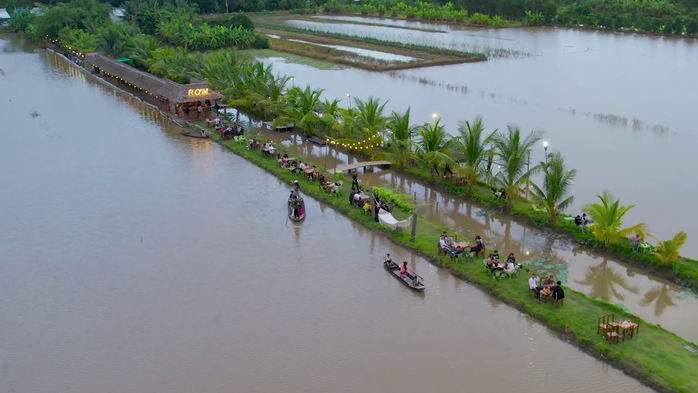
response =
{"points": [[607, 217], [471, 146], [554, 195], [434, 147], [399, 146], [514, 151]]}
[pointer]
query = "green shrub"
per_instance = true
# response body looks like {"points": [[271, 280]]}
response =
{"points": [[401, 201], [259, 42]]}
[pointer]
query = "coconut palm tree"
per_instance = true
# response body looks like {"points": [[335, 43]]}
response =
{"points": [[434, 148], [554, 196], [471, 145], [141, 49], [399, 146], [607, 217], [368, 122], [668, 250], [514, 151], [113, 41], [301, 109]]}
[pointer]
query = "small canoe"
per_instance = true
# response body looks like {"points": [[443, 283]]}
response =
{"points": [[394, 269], [194, 135], [301, 210]]}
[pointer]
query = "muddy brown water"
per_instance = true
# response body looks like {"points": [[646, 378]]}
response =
{"points": [[577, 86], [138, 260]]}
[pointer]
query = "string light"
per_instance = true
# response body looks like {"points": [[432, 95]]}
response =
{"points": [[357, 145]]}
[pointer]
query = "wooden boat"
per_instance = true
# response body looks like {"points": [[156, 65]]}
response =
{"points": [[194, 135], [301, 209], [394, 269]]}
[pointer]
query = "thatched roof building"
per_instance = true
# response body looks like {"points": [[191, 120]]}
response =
{"points": [[148, 83]]}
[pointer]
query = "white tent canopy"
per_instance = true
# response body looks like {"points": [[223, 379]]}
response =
{"points": [[389, 222]]}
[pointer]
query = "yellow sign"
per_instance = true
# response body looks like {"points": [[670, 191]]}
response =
{"points": [[197, 92]]}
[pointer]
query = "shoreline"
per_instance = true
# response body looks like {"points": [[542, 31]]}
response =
{"points": [[620, 356], [542, 312]]}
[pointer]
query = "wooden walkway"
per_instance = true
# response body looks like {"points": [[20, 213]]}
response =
{"points": [[365, 165]]}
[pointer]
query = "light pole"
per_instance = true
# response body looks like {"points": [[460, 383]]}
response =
{"points": [[349, 96], [545, 147], [434, 116]]}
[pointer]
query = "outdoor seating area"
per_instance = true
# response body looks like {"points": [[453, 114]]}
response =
{"points": [[617, 332]]}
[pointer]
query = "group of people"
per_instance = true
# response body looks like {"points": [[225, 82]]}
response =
{"points": [[404, 272], [508, 267], [447, 245], [295, 200], [549, 288], [582, 221]]}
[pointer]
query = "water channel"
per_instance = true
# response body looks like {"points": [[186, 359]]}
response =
{"points": [[577, 85], [136, 260]]}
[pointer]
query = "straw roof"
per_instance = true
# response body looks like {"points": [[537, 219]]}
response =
{"points": [[174, 92]]}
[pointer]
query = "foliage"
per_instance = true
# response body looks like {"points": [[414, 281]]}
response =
{"points": [[399, 147], [471, 145], [178, 32], [78, 40], [607, 217], [515, 154], [230, 20], [74, 14], [434, 148], [668, 250], [401, 201], [554, 196]]}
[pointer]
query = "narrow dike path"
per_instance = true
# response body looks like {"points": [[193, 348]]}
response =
{"points": [[655, 356]]}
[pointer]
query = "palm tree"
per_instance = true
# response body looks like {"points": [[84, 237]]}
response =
{"points": [[557, 183], [603, 280], [434, 147], [399, 147], [368, 122], [514, 152], [668, 250], [661, 297], [301, 109], [112, 41], [607, 217], [141, 49], [472, 148]]}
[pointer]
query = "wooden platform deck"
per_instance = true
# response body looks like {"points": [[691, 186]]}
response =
{"points": [[281, 128], [366, 165], [318, 141]]}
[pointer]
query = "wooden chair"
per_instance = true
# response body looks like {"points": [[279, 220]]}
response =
{"points": [[611, 320], [612, 335], [601, 326], [636, 321], [481, 253]]}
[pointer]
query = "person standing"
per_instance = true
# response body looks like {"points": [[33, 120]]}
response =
{"points": [[295, 207], [200, 110], [355, 180]]}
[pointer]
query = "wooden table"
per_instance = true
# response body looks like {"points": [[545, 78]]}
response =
{"points": [[309, 173], [627, 325]]}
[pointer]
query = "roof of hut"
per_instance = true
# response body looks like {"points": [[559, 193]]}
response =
{"points": [[174, 92]]}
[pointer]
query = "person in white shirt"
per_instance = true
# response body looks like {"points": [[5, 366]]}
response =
{"points": [[217, 121], [302, 166], [445, 247], [533, 285]]}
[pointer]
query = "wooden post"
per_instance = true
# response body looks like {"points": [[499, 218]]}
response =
{"points": [[373, 204], [414, 226], [437, 207]]}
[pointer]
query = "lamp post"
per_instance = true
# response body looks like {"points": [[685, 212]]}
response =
{"points": [[545, 147], [434, 116], [349, 96]]}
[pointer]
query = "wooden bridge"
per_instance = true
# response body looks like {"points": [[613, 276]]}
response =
{"points": [[367, 165]]}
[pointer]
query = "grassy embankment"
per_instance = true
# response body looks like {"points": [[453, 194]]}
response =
{"points": [[291, 58], [655, 357], [424, 56], [279, 17]]}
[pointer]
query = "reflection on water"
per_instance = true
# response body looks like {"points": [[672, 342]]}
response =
{"points": [[661, 297], [604, 281], [138, 260]]}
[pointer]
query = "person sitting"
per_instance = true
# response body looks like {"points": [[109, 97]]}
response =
{"points": [[279, 161], [270, 148], [285, 156], [415, 281], [635, 242], [444, 246], [217, 122], [511, 259], [495, 256], [388, 261], [403, 269], [510, 267], [358, 197], [533, 285], [586, 220], [335, 188], [391, 206], [490, 262], [367, 207], [557, 292], [478, 245], [579, 223], [351, 196], [448, 239], [548, 282]]}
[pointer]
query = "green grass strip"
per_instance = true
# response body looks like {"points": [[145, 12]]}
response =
{"points": [[654, 356]]}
